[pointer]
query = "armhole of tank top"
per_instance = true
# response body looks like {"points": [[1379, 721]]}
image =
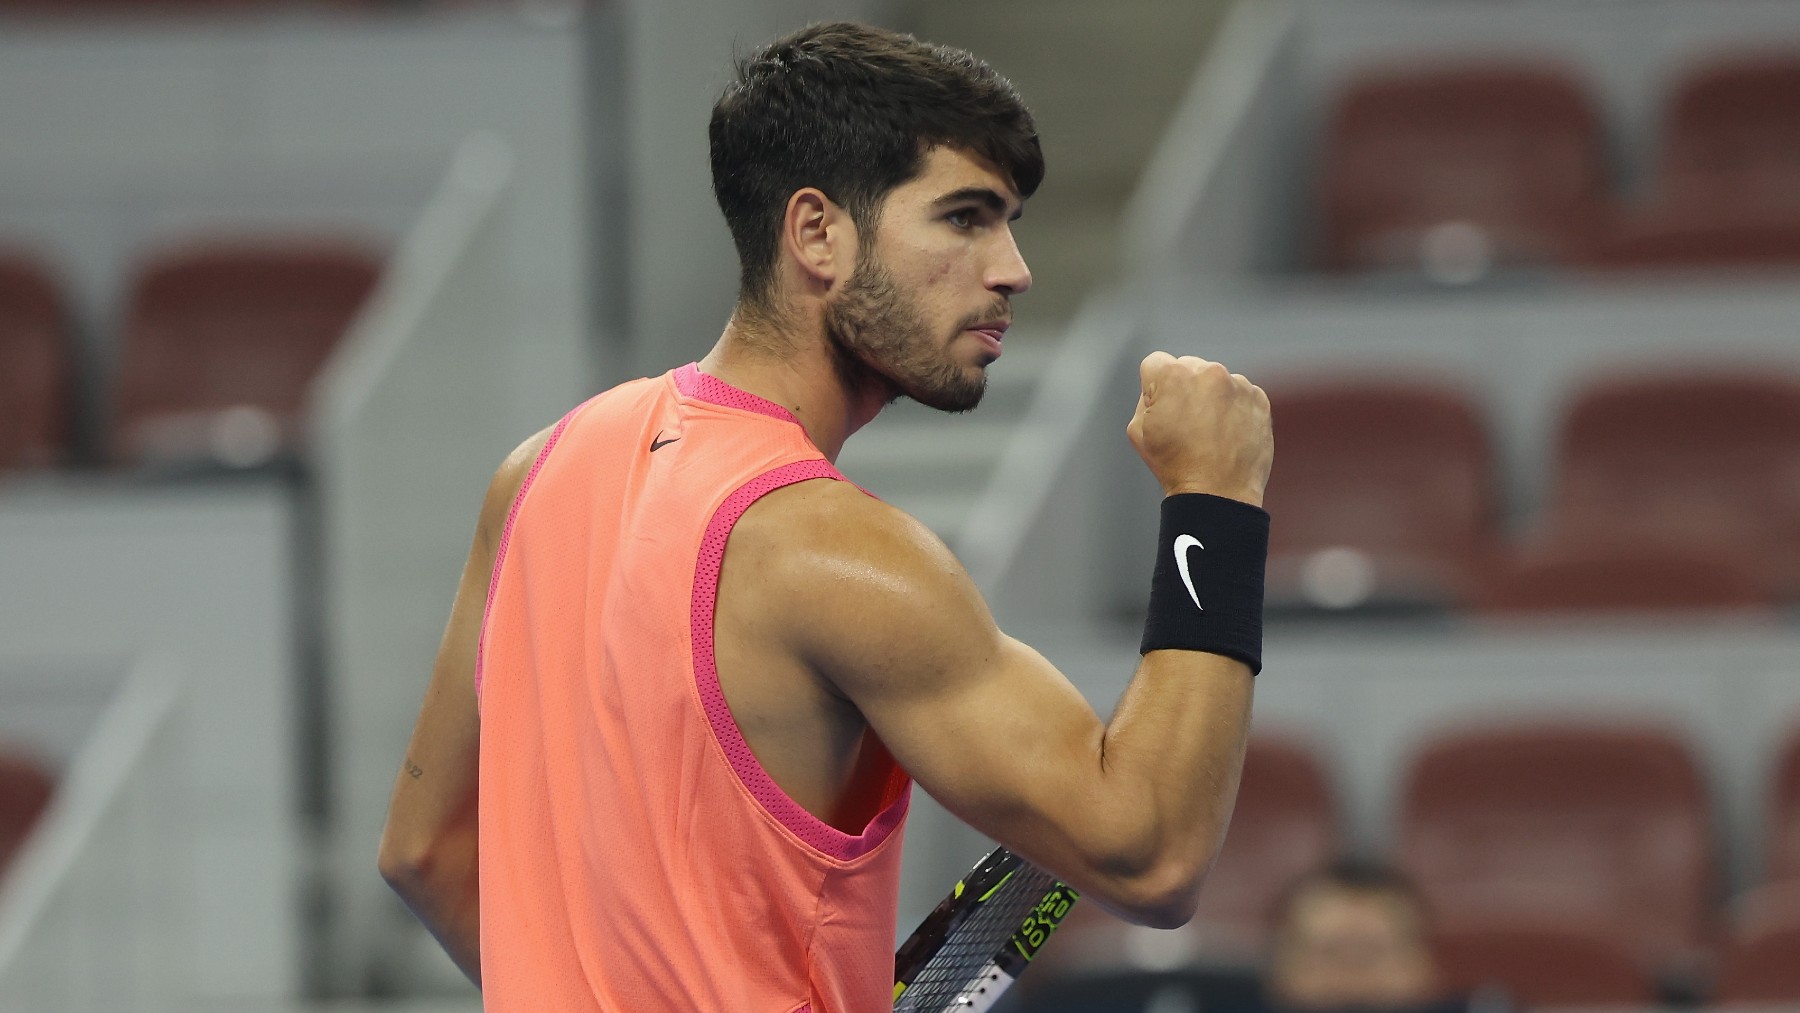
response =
{"points": [[512, 515], [809, 829]]}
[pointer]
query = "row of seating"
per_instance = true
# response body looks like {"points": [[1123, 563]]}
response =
{"points": [[220, 340], [1670, 489], [1453, 171], [1568, 863]]}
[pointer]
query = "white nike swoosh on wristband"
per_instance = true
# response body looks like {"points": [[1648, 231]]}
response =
{"points": [[1182, 544]]}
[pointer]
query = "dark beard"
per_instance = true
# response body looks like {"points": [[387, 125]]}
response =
{"points": [[878, 339]]}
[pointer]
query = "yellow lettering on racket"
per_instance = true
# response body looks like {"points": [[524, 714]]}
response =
{"points": [[1035, 930]]}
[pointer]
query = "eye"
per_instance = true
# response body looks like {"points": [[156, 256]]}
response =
{"points": [[963, 218]]}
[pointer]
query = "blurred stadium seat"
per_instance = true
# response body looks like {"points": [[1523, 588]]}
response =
{"points": [[1761, 958], [1617, 576], [1545, 964], [1709, 461], [1699, 237], [1782, 840], [1455, 170], [36, 375], [1591, 825], [1386, 493], [222, 341], [1731, 134], [1725, 196], [25, 790]]}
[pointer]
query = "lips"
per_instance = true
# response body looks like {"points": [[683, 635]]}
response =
{"points": [[990, 337]]}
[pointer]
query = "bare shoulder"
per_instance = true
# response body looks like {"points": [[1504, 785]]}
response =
{"points": [[826, 528], [855, 585], [508, 479]]}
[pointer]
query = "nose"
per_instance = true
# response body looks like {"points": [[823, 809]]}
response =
{"points": [[1007, 273]]}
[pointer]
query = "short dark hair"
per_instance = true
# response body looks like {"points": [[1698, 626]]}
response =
{"points": [[852, 110]]}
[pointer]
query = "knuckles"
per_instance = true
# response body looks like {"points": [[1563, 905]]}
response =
{"points": [[1191, 376]]}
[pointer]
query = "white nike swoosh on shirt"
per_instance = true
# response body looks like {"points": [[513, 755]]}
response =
{"points": [[1182, 544]]}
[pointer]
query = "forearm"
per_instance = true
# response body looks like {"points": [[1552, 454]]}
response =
{"points": [[445, 896], [1174, 750], [1170, 761]]}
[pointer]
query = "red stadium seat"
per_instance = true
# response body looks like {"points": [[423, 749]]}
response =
{"points": [[1782, 844], [222, 342], [1598, 826], [1611, 576], [1512, 152], [1703, 460], [1761, 960], [1544, 965], [1699, 237], [1725, 196], [25, 790], [36, 376], [1731, 134], [1391, 482]]}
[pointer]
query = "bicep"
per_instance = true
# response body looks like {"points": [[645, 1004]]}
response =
{"points": [[1003, 740], [981, 721]]}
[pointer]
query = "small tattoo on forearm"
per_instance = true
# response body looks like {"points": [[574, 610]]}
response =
{"points": [[414, 770]]}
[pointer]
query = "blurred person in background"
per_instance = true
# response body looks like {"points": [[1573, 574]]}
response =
{"points": [[1354, 936]]}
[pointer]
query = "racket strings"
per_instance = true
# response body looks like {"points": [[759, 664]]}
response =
{"points": [[969, 950]]}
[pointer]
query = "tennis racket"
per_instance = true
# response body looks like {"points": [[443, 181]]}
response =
{"points": [[978, 940]]}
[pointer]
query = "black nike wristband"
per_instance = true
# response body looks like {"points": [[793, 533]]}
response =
{"points": [[1207, 592]]}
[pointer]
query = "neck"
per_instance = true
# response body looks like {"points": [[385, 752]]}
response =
{"points": [[793, 364]]}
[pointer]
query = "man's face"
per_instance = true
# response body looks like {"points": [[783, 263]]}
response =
{"points": [[929, 300], [1352, 948]]}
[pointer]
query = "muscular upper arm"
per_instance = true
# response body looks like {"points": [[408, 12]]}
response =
{"points": [[435, 790], [879, 607], [1131, 810]]}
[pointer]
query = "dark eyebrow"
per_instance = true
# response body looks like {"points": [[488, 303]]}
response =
{"points": [[984, 196]]}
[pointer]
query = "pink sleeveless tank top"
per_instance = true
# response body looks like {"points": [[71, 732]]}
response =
{"points": [[634, 855]]}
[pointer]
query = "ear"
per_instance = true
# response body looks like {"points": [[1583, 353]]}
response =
{"points": [[818, 237]]}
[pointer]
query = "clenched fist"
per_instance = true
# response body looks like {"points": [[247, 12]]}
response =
{"points": [[1202, 428]]}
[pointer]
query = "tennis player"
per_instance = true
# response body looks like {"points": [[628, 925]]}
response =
{"points": [[691, 673]]}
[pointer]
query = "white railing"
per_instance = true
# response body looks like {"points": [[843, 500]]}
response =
{"points": [[93, 911]]}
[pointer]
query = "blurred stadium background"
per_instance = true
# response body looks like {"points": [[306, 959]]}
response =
{"points": [[283, 280]]}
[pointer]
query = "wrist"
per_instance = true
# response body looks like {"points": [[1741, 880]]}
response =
{"points": [[1206, 591], [1242, 494]]}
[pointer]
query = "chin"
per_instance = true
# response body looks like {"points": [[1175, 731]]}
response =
{"points": [[961, 396]]}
